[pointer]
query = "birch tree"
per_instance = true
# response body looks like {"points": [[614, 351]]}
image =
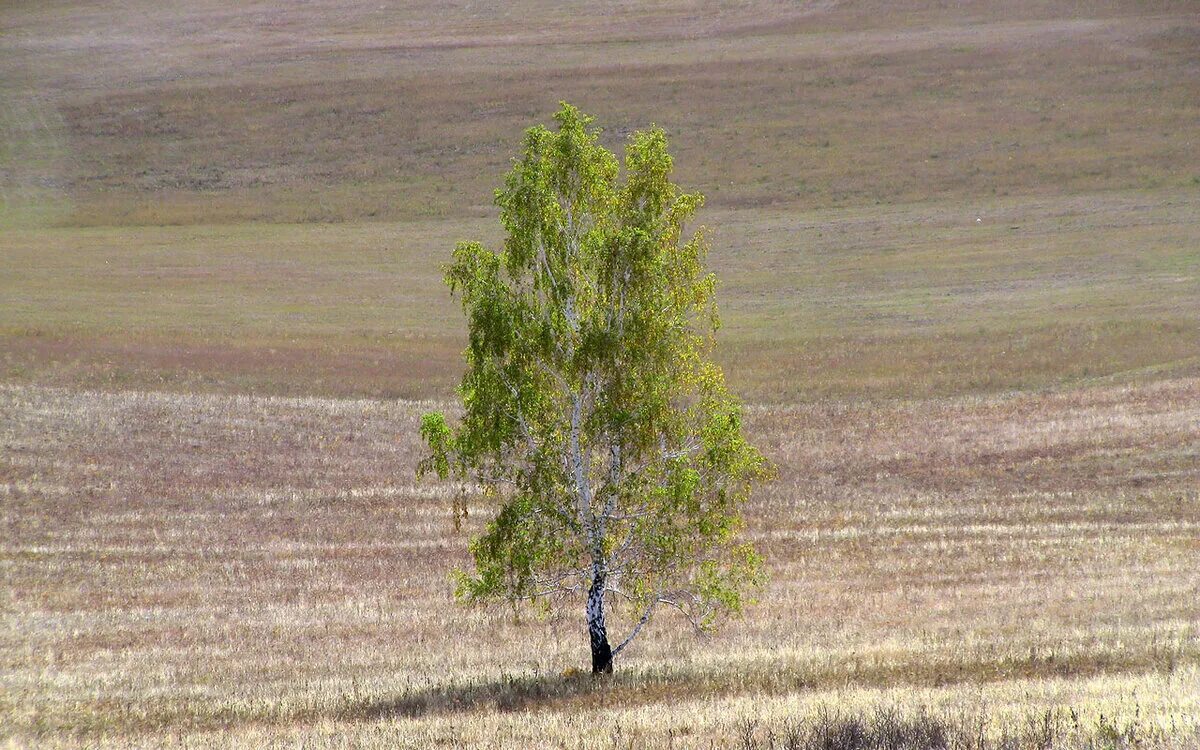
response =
{"points": [[593, 419]]}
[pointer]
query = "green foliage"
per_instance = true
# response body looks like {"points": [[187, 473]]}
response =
{"points": [[591, 409]]}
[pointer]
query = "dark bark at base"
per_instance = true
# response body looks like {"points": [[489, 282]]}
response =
{"points": [[601, 651], [601, 656]]}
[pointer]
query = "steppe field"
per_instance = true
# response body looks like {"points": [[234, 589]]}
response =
{"points": [[959, 251]]}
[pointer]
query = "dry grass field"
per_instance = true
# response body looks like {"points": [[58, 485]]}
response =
{"points": [[959, 246], [225, 571]]}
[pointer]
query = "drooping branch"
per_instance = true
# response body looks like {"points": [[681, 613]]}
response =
{"points": [[637, 628]]}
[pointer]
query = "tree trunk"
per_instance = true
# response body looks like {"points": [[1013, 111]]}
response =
{"points": [[601, 651]]}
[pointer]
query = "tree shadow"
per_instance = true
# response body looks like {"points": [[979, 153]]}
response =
{"points": [[506, 693]]}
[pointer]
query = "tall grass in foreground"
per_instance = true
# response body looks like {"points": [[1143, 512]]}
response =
{"points": [[890, 729]]}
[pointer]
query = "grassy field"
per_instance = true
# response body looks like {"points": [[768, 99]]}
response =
{"points": [[902, 301], [234, 571], [959, 247]]}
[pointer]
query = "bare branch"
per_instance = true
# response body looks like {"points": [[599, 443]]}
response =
{"points": [[645, 618]]}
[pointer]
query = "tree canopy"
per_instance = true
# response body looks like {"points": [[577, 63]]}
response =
{"points": [[593, 418]]}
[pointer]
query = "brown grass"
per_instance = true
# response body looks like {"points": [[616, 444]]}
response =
{"points": [[961, 287], [908, 200], [238, 569], [347, 110]]}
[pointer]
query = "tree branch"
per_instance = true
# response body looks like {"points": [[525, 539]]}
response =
{"points": [[645, 618]]}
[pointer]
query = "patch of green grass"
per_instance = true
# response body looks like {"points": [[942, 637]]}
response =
{"points": [[884, 301]]}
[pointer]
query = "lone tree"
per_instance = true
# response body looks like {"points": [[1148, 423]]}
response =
{"points": [[592, 416]]}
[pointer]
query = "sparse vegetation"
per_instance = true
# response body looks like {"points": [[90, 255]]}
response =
{"points": [[961, 295], [990, 557]]}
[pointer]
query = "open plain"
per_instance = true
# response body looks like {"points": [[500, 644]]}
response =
{"points": [[959, 251]]}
